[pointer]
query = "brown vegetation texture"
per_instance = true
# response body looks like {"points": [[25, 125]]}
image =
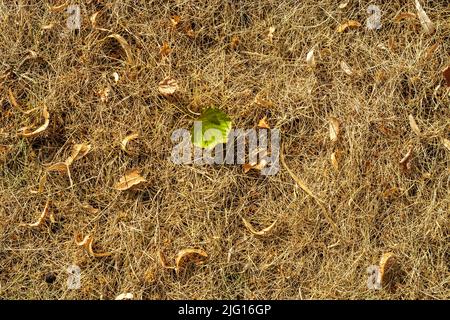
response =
{"points": [[364, 125]]}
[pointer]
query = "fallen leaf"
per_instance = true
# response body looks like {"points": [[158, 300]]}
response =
{"points": [[87, 242], [59, 8], [42, 182], [425, 21], [404, 16], [129, 180], [185, 256], [263, 123], [263, 232], [78, 151], [263, 102], [387, 262], [405, 162], [126, 47], [61, 167], [48, 26], [334, 161], [211, 120], [29, 132], [45, 213], [446, 143], [257, 166], [125, 296], [13, 101], [234, 42], [104, 94], [168, 86], [165, 49], [175, 20], [123, 144], [345, 67], [163, 261], [446, 74], [310, 60], [413, 124], [90, 209], [343, 4], [334, 129], [352, 24], [115, 76], [270, 34]]}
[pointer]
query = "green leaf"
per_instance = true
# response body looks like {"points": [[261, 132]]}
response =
{"points": [[211, 128]]}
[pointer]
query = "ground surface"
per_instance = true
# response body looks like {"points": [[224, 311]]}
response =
{"points": [[221, 55]]}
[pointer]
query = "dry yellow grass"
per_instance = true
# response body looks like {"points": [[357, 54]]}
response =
{"points": [[227, 54]]}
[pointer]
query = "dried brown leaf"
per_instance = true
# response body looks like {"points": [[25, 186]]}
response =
{"points": [[262, 232], [126, 47], [168, 86], [405, 162], [414, 126], [334, 161], [130, 179], [87, 243], [446, 74], [13, 101], [310, 60], [185, 256], [263, 123], [425, 21], [124, 142], [352, 24], [45, 213], [387, 262], [175, 20], [163, 261], [346, 68], [78, 152], [29, 132], [42, 182], [334, 129], [404, 16], [165, 50]]}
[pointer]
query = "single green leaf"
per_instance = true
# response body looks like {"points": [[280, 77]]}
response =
{"points": [[211, 128]]}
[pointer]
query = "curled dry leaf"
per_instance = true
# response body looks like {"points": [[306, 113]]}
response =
{"points": [[185, 256], [425, 21], [310, 60], [48, 26], [446, 74], [87, 242], [60, 167], [29, 132], [13, 101], [125, 296], [263, 123], [129, 180], [404, 16], [262, 232], [126, 47], [413, 124], [78, 151], [446, 143], [405, 163], [59, 8], [263, 102], [256, 166], [270, 34], [387, 262], [44, 215], [334, 161], [168, 86], [345, 67], [42, 182], [163, 261], [234, 42], [344, 4], [104, 94], [124, 142], [350, 24], [165, 50], [334, 129], [175, 20], [93, 20]]}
